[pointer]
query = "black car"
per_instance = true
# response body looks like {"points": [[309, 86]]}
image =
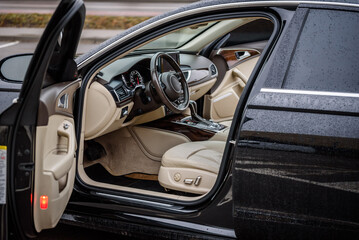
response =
{"points": [[220, 120]]}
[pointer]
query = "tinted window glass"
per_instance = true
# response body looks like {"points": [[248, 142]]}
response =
{"points": [[178, 37], [257, 30], [327, 53]]}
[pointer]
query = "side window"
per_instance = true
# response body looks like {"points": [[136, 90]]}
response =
{"points": [[257, 30], [326, 55]]}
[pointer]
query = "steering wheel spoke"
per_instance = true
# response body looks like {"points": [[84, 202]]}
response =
{"points": [[163, 86]]}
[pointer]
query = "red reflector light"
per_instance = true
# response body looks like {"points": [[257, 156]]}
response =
{"points": [[44, 201]]}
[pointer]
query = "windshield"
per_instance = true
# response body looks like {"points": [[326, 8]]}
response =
{"points": [[178, 38]]}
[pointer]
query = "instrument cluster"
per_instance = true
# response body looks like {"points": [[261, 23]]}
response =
{"points": [[133, 79]]}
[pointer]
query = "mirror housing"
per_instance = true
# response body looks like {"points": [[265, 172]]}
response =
{"points": [[14, 68]]}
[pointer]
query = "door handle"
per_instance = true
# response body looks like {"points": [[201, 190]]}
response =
{"points": [[58, 163], [240, 55], [239, 77]]}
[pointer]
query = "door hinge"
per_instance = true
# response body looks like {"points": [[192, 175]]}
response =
{"points": [[26, 166]]}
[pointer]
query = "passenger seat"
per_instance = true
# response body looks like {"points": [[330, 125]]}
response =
{"points": [[191, 167]]}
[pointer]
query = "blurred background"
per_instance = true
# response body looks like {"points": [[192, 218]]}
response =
{"points": [[22, 22]]}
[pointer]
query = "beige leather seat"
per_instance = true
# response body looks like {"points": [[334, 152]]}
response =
{"points": [[226, 123], [191, 167]]}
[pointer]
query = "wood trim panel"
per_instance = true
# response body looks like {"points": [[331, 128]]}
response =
{"points": [[167, 123], [199, 76], [230, 55]]}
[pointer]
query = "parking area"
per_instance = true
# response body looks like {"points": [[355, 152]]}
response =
{"points": [[8, 48]]}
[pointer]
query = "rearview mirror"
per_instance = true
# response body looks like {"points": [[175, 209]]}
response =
{"points": [[14, 68]]}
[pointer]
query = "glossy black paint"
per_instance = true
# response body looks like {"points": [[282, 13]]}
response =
{"points": [[295, 178], [23, 174], [296, 167], [120, 215]]}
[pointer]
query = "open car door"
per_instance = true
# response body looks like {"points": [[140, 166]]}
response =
{"points": [[37, 131]]}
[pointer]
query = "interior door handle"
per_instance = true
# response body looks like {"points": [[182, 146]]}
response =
{"points": [[240, 78], [240, 55], [60, 163]]}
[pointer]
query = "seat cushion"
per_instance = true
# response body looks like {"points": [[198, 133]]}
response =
{"points": [[226, 123], [204, 155], [182, 165]]}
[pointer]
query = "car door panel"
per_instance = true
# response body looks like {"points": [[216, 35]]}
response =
{"points": [[220, 105], [295, 162], [41, 140], [55, 161], [199, 90], [306, 172], [55, 169]]}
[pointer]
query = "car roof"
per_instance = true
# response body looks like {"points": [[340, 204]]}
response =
{"points": [[110, 43]]}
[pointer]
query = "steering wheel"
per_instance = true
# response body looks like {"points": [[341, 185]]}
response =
{"points": [[171, 86]]}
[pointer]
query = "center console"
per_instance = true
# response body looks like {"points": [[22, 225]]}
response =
{"points": [[198, 122], [194, 127], [204, 125]]}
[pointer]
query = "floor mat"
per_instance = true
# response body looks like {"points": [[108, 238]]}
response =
{"points": [[98, 173], [119, 154]]}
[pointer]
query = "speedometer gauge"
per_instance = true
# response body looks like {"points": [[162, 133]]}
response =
{"points": [[135, 78]]}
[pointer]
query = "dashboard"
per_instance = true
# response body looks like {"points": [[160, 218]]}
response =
{"points": [[122, 94], [124, 76]]}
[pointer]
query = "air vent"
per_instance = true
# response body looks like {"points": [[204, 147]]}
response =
{"points": [[121, 93], [187, 74], [213, 69]]}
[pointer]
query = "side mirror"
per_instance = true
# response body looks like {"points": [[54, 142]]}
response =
{"points": [[14, 68]]}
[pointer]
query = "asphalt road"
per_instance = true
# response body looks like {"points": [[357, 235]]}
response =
{"points": [[17, 47]]}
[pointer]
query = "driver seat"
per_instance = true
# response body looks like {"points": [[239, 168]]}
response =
{"points": [[191, 167]]}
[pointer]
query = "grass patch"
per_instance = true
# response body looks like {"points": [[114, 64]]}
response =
{"points": [[36, 20]]}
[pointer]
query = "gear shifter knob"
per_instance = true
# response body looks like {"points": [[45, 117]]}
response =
{"points": [[193, 107], [195, 116], [199, 121]]}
